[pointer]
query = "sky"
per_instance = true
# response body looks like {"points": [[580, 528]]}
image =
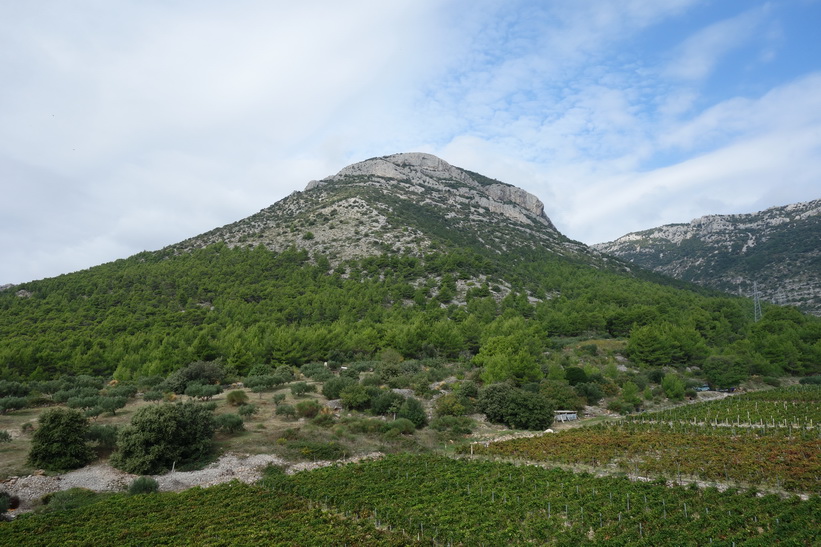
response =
{"points": [[129, 125]]}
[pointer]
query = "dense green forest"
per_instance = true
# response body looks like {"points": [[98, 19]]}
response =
{"points": [[155, 312]]}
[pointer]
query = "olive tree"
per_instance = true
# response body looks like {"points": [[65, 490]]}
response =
{"points": [[59, 442], [161, 435]]}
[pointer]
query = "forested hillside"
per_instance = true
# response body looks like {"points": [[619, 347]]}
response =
{"points": [[405, 253], [155, 312]]}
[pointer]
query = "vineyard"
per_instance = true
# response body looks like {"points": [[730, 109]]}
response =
{"points": [[229, 514], [767, 439], [796, 407], [431, 500], [444, 501]]}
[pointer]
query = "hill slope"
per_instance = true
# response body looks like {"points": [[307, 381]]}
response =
{"points": [[406, 253], [778, 249]]}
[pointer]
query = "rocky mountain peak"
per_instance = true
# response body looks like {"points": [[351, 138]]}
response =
{"points": [[428, 171], [408, 203]]}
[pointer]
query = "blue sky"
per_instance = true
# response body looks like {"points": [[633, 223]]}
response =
{"points": [[130, 125]]}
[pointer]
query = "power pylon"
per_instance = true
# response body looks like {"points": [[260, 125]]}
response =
{"points": [[756, 302]]}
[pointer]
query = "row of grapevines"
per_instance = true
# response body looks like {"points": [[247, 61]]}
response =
{"points": [[474, 502], [788, 433], [800, 393], [782, 409], [230, 514], [667, 451]]}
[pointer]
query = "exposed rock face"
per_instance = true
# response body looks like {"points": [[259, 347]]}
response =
{"points": [[427, 172], [779, 249], [404, 203]]}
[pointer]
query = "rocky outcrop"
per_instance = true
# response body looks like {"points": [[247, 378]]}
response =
{"points": [[403, 203], [778, 249], [426, 172]]}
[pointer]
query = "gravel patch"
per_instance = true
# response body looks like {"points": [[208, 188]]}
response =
{"points": [[101, 477]]}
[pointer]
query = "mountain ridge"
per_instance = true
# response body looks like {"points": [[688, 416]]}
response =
{"points": [[776, 251]]}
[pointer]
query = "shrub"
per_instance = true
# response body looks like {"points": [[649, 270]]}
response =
{"points": [[204, 372], [504, 404], [161, 435], [620, 406], [308, 409], [324, 419], [73, 498], [285, 372], [590, 391], [229, 423], [316, 371], [279, 398], [299, 389], [12, 403], [412, 410], [152, 396], [112, 404], [286, 410], [387, 402], [673, 386], [265, 382], [575, 375], [5, 436], [8, 501], [402, 426], [236, 398], [143, 485], [450, 405], [291, 434], [246, 411], [104, 435], [13, 389], [318, 450], [561, 395], [121, 390], [589, 349], [468, 390], [334, 386], [60, 441], [355, 397]]}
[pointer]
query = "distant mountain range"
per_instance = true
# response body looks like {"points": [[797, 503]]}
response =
{"points": [[777, 250]]}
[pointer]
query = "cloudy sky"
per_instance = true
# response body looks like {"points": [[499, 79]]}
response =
{"points": [[130, 125]]}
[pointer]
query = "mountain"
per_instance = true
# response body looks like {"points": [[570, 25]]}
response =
{"points": [[777, 250], [408, 204], [404, 254]]}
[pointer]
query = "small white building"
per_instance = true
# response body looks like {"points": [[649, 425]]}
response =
{"points": [[565, 415]]}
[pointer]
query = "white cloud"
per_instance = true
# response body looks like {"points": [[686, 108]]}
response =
{"points": [[773, 161], [700, 53], [135, 125]]}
